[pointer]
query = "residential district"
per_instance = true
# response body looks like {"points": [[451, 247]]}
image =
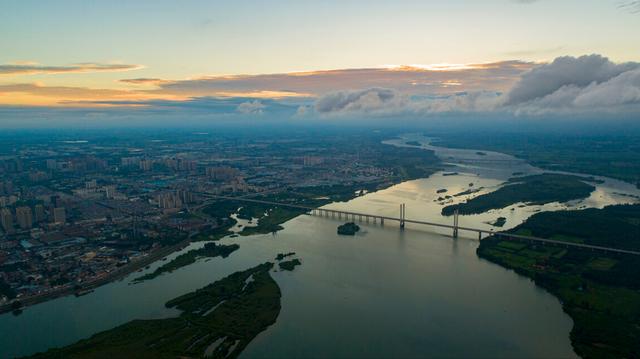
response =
{"points": [[74, 213]]}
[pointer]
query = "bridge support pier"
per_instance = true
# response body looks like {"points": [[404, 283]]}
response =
{"points": [[382, 221], [402, 213]]}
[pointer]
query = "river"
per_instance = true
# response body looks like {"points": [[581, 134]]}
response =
{"points": [[381, 293]]}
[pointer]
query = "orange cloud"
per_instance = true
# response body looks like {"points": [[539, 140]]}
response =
{"points": [[30, 68]]}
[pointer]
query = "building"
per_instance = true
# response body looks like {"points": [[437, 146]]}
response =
{"points": [[169, 200], [52, 164], [130, 161], [146, 165], [59, 215], [6, 219], [91, 185], [222, 173], [24, 217], [40, 216]]}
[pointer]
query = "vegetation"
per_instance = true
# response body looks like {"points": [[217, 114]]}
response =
{"points": [[413, 143], [499, 222], [536, 189], [282, 256], [6, 291], [289, 265], [600, 291], [348, 229], [271, 220], [217, 321], [209, 250]]}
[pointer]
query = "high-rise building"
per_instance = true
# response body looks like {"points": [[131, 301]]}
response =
{"points": [[52, 164], [59, 215], [6, 219], [40, 216], [24, 217], [93, 184]]}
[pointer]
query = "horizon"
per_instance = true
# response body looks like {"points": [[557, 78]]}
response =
{"points": [[106, 64]]}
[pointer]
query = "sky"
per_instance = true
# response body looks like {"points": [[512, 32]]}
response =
{"points": [[319, 58]]}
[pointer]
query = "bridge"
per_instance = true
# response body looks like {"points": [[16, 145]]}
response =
{"points": [[402, 220]]}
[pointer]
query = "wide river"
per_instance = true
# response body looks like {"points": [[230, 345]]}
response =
{"points": [[381, 293]]}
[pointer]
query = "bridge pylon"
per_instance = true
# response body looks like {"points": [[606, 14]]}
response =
{"points": [[455, 223], [402, 215]]}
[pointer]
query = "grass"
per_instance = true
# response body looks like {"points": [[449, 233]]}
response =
{"points": [[230, 312]]}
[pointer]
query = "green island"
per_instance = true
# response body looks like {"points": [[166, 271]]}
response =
{"points": [[469, 191], [499, 222], [599, 291], [209, 250], [217, 321], [348, 229], [535, 189], [282, 256], [289, 265]]}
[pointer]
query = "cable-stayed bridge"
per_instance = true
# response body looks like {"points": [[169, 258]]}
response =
{"points": [[402, 220]]}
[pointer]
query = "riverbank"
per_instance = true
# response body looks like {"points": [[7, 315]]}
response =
{"points": [[216, 321], [599, 291], [115, 275]]}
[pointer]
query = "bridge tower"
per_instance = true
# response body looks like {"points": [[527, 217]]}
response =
{"points": [[402, 214], [455, 223]]}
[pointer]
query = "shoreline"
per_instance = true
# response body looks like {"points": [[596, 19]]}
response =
{"points": [[111, 277]]}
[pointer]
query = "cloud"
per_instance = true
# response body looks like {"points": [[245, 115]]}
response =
{"points": [[589, 83], [565, 71], [566, 85], [381, 101], [254, 107], [414, 79], [368, 100], [570, 83], [630, 6], [144, 81], [32, 68]]}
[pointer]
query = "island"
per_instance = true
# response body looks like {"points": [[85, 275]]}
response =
{"points": [[210, 250], [348, 229], [217, 321], [480, 153], [413, 143], [289, 265], [599, 290], [499, 222], [442, 190], [535, 189], [282, 256]]}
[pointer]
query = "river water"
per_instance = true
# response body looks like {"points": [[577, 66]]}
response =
{"points": [[381, 293]]}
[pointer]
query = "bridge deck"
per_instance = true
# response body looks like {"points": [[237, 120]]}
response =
{"points": [[433, 224]]}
